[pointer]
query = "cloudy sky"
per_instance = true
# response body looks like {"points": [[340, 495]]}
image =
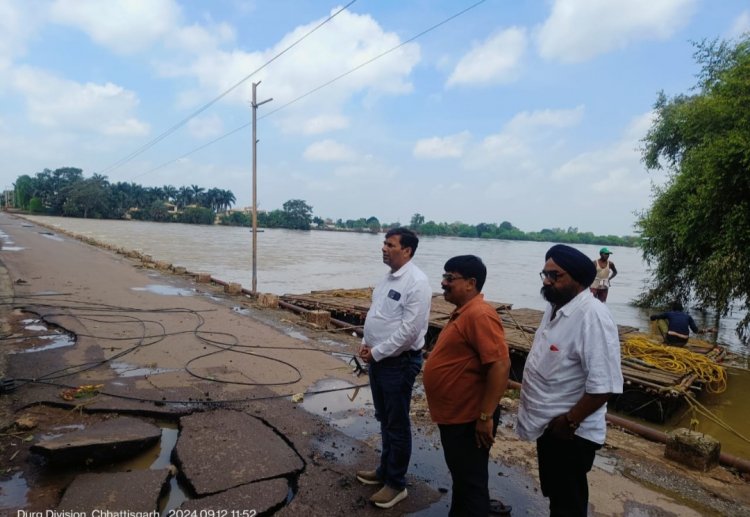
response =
{"points": [[530, 112]]}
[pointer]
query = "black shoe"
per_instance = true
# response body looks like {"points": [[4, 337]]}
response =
{"points": [[497, 507]]}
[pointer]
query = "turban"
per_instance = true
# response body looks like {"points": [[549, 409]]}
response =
{"points": [[575, 263]]}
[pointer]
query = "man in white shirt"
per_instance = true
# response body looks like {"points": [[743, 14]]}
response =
{"points": [[571, 371], [392, 346]]}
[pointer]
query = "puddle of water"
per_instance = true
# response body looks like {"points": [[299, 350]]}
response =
{"points": [[608, 465], [131, 370], [295, 334], [240, 310], [11, 248], [57, 342], [176, 495], [164, 290], [352, 413], [51, 236], [156, 458], [13, 492], [72, 427]]}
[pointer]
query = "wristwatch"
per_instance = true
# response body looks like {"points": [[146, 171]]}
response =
{"points": [[571, 423], [484, 417]]}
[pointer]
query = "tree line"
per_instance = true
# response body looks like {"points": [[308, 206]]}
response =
{"points": [[298, 214], [66, 192]]}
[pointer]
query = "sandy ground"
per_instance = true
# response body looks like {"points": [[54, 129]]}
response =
{"points": [[114, 306]]}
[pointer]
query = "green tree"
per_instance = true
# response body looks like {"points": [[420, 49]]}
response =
{"points": [[24, 191], [698, 227], [158, 212], [36, 206], [87, 198], [297, 214], [373, 224], [236, 219], [196, 215], [417, 220]]}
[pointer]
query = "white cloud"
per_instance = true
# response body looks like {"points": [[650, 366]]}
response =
{"points": [[494, 61], [578, 30], [614, 169], [525, 121], [349, 40], [329, 151], [514, 148], [324, 124], [203, 128], [740, 26], [17, 25], [442, 147], [125, 26], [196, 39], [60, 103]]}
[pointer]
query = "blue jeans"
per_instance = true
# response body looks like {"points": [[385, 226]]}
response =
{"points": [[391, 382]]}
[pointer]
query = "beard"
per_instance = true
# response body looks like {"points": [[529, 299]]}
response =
{"points": [[555, 296]]}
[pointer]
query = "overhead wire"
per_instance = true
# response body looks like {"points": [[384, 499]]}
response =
{"points": [[226, 92], [314, 90]]}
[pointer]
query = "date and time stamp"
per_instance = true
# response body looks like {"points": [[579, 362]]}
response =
{"points": [[129, 513]]}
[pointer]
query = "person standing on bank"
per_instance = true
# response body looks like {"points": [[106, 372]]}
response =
{"points": [[605, 272], [394, 332], [571, 371], [464, 378]]}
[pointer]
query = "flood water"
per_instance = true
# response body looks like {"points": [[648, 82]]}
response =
{"points": [[299, 262]]}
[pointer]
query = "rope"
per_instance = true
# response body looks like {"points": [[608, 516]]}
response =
{"points": [[697, 407], [675, 360]]}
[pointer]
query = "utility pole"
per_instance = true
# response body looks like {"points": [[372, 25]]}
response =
{"points": [[255, 191]]}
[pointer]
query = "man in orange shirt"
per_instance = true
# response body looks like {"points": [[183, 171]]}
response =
{"points": [[464, 378]]}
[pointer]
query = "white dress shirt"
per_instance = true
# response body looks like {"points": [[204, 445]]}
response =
{"points": [[399, 314], [577, 352]]}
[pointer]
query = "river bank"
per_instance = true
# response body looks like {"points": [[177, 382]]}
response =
{"points": [[631, 476]]}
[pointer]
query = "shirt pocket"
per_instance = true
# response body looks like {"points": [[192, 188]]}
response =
{"points": [[391, 308], [547, 360]]}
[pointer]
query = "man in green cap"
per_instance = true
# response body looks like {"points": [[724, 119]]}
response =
{"points": [[605, 272]]}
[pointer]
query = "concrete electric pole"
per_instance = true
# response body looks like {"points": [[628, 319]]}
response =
{"points": [[255, 191]]}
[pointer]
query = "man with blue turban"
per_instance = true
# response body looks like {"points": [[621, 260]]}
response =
{"points": [[572, 369]]}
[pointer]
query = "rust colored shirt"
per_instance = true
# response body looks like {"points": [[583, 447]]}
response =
{"points": [[453, 378]]}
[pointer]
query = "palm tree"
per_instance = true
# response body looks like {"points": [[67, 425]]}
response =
{"points": [[197, 193], [226, 199], [170, 192], [184, 197]]}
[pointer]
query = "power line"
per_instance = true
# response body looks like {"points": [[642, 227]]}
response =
{"points": [[317, 88], [203, 108]]}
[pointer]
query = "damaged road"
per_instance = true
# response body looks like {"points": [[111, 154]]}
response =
{"points": [[149, 350]]}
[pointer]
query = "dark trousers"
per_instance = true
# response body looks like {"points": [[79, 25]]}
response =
{"points": [[467, 464], [600, 294], [563, 465], [391, 382]]}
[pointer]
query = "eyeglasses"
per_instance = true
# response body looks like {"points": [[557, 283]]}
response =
{"points": [[449, 277], [552, 275]]}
